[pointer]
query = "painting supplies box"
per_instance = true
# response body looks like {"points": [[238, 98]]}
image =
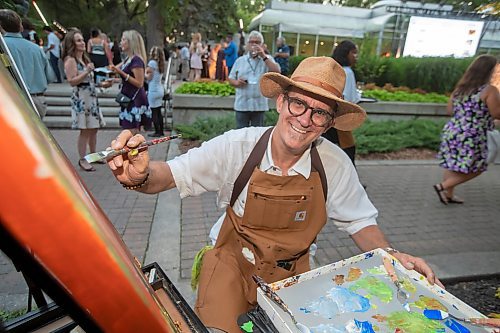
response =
{"points": [[358, 295]]}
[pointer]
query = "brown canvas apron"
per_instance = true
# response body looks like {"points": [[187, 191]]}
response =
{"points": [[283, 215]]}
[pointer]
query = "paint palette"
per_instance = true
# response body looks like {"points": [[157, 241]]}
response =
{"points": [[357, 295]]}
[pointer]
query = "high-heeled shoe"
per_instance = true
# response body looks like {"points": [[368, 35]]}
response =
{"points": [[84, 165]]}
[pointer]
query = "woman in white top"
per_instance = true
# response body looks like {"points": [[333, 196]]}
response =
{"points": [[346, 54], [196, 50], [154, 72]]}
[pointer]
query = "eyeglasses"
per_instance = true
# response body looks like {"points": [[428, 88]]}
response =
{"points": [[254, 41], [298, 107]]}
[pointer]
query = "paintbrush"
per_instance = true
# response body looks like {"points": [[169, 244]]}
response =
{"points": [[110, 153]]}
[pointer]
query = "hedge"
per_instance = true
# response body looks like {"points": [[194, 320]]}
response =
{"points": [[431, 74]]}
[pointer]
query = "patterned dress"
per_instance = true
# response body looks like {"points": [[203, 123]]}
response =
{"points": [[464, 139], [137, 113], [85, 111]]}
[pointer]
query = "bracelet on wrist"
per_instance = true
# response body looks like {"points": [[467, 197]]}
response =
{"points": [[135, 187], [390, 250], [127, 77]]}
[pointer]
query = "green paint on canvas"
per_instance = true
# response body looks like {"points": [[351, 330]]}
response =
{"points": [[377, 270], [374, 287], [247, 327], [413, 322]]}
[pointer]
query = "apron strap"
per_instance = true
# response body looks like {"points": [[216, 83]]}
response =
{"points": [[252, 161], [255, 158], [318, 166]]}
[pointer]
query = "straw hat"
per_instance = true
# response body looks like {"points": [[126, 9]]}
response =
{"points": [[322, 76]]}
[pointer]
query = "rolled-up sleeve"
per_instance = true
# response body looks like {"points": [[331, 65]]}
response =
{"points": [[348, 205], [201, 169]]}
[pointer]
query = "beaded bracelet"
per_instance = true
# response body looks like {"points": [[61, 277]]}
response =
{"points": [[135, 187], [390, 250]]}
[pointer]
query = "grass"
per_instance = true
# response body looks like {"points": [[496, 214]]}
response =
{"points": [[9, 315], [371, 137]]}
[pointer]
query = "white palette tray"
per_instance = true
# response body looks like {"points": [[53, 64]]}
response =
{"points": [[306, 296]]}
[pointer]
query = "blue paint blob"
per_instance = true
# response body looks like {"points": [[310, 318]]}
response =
{"points": [[456, 326], [434, 314], [329, 328], [338, 300], [364, 326], [368, 255]]}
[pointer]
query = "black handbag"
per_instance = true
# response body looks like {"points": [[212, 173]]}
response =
{"points": [[124, 100]]}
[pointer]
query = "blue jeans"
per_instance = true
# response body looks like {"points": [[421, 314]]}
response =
{"points": [[54, 62], [249, 118]]}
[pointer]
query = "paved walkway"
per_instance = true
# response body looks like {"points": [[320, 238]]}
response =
{"points": [[457, 240]]}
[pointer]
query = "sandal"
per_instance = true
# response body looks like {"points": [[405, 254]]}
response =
{"points": [[84, 165], [440, 192], [455, 200]]}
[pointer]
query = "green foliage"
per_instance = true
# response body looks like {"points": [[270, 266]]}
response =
{"points": [[206, 88], [371, 137], [389, 136], [403, 96], [433, 74], [293, 62], [206, 128], [9, 315]]}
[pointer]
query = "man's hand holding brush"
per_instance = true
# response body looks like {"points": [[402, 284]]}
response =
{"points": [[134, 169]]}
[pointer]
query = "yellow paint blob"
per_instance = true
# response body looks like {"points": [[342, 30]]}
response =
{"points": [[425, 302]]}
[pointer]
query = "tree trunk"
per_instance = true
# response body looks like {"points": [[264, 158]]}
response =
{"points": [[155, 29]]}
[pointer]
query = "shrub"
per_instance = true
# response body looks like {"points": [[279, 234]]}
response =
{"points": [[206, 88], [389, 136], [371, 137], [206, 128], [435, 74], [293, 62], [404, 96]]}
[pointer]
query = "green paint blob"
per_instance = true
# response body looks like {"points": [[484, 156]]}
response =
{"points": [[374, 287], [377, 270], [425, 302], [247, 327], [413, 322], [408, 286]]}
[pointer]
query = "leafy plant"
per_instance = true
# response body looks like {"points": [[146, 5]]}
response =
{"points": [[403, 96], [389, 136], [8, 315], [206, 128], [435, 74], [293, 62], [206, 88], [371, 137]]}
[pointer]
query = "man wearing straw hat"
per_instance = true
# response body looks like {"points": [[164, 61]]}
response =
{"points": [[276, 192]]}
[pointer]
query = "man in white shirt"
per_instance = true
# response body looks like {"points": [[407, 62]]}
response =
{"points": [[276, 192], [53, 47], [185, 62], [249, 103]]}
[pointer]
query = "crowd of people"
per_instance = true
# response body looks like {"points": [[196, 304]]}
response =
{"points": [[279, 185]]}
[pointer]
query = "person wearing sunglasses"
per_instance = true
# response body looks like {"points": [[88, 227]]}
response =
{"points": [[277, 194]]}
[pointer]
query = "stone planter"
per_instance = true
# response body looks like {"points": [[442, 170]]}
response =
{"points": [[189, 107]]}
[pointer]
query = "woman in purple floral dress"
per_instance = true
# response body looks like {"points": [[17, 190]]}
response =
{"points": [[132, 71], [473, 105]]}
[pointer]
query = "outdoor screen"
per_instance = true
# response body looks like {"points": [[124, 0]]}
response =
{"points": [[436, 37]]}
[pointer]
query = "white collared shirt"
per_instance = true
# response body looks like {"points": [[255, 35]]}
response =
{"points": [[218, 162]]}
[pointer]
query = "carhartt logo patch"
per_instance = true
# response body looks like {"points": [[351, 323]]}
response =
{"points": [[300, 216]]}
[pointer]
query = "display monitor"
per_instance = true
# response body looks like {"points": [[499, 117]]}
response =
{"points": [[437, 37]]}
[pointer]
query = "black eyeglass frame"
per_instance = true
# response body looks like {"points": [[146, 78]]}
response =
{"points": [[307, 107]]}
